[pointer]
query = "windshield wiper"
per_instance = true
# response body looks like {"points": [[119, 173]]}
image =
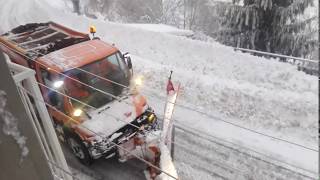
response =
{"points": [[103, 109], [88, 114]]}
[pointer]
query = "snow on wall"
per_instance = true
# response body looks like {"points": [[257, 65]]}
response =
{"points": [[10, 126]]}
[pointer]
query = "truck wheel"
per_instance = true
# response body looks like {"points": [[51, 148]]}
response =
{"points": [[78, 148], [59, 128]]}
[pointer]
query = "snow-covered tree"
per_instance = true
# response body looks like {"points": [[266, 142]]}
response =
{"points": [[129, 11], [183, 13], [76, 6], [172, 12], [268, 25]]}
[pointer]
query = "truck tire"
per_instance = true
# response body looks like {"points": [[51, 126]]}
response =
{"points": [[78, 148], [59, 129]]}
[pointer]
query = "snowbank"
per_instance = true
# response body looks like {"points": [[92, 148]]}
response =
{"points": [[14, 13], [166, 164], [163, 29]]}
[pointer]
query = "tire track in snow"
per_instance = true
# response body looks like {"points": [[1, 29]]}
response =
{"points": [[200, 157], [199, 163], [202, 150]]}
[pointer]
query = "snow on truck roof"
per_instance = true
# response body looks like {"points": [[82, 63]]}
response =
{"points": [[36, 39], [77, 55], [56, 46]]}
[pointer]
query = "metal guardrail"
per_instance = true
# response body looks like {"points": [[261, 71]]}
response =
{"points": [[277, 55], [308, 66]]}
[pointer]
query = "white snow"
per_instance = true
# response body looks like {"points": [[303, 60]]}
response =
{"points": [[110, 118], [265, 95], [163, 29], [166, 164], [280, 150]]}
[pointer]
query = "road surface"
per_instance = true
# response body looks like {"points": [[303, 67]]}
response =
{"points": [[196, 157]]}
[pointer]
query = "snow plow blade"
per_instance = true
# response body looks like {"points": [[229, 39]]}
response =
{"points": [[155, 146], [166, 144], [166, 164]]}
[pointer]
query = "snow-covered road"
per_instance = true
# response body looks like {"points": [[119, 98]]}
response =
{"points": [[211, 158], [105, 169], [197, 155]]}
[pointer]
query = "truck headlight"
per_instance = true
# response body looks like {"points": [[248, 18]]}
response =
{"points": [[138, 81], [57, 84], [77, 112], [151, 118]]}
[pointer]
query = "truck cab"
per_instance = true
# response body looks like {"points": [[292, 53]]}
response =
{"points": [[85, 79]]}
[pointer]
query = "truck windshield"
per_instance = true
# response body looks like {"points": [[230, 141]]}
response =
{"points": [[111, 67]]}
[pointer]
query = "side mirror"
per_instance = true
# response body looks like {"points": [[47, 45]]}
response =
{"points": [[127, 57], [129, 62]]}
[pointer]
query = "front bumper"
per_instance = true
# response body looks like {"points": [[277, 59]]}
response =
{"points": [[102, 147]]}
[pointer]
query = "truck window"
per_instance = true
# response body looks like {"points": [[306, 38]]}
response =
{"points": [[123, 66], [84, 93], [55, 99], [109, 67], [113, 59]]}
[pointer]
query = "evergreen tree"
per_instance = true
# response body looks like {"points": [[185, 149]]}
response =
{"points": [[268, 25]]}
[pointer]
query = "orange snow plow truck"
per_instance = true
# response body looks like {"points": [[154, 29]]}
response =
{"points": [[69, 66]]}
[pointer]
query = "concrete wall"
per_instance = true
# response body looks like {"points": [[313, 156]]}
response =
{"points": [[12, 166]]}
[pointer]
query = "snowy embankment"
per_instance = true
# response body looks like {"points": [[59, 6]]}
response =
{"points": [[261, 94], [162, 28]]}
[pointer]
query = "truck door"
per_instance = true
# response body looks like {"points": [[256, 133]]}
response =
{"points": [[51, 97]]}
